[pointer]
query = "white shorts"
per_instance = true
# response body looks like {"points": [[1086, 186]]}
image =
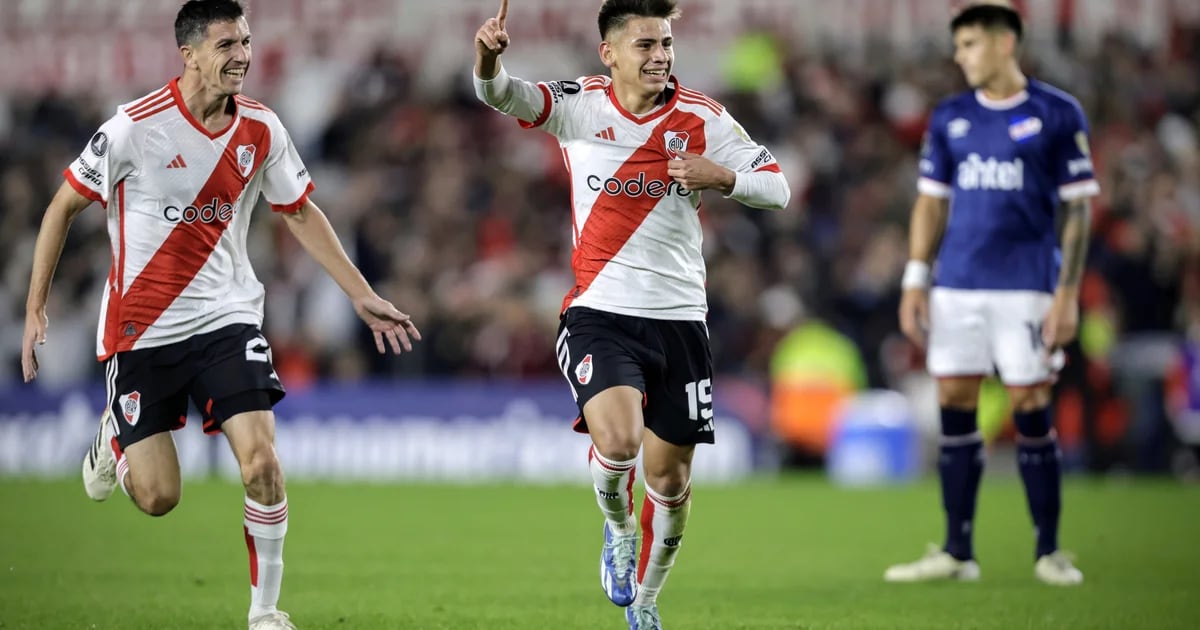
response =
{"points": [[980, 332]]}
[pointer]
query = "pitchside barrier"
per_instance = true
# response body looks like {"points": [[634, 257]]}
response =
{"points": [[412, 431]]}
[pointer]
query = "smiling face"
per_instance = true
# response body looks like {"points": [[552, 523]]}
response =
{"points": [[222, 58], [640, 55]]}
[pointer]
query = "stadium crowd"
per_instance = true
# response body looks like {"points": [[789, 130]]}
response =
{"points": [[462, 219]]}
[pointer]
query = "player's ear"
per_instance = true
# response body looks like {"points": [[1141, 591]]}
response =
{"points": [[187, 53], [607, 55]]}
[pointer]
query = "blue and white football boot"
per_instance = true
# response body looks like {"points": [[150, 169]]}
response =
{"points": [[643, 617], [618, 567]]}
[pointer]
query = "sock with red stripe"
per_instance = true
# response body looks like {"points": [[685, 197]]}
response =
{"points": [[122, 472], [614, 490], [663, 521], [265, 526]]}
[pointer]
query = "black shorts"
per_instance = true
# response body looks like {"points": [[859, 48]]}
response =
{"points": [[224, 372], [669, 361]]}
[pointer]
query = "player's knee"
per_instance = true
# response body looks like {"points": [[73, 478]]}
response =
{"points": [[1029, 399], [668, 479], [262, 472], [956, 398], [667, 485], [617, 446], [157, 501]]}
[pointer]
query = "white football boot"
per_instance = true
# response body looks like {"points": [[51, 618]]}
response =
{"points": [[1057, 569], [100, 463], [936, 564], [275, 620]]}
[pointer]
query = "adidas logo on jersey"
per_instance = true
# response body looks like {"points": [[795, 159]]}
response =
{"points": [[636, 186], [975, 173], [177, 162], [606, 134]]}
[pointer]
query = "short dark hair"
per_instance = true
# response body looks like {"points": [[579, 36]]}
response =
{"points": [[191, 23], [990, 17], [615, 13]]}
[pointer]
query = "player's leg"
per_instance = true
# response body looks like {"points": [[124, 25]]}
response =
{"points": [[607, 383], [679, 415], [145, 404], [1027, 369], [958, 355], [148, 471], [614, 419], [236, 392], [667, 472], [960, 461], [251, 434]]}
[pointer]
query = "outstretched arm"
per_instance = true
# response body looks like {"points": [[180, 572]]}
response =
{"points": [[66, 205], [1062, 322], [310, 226]]}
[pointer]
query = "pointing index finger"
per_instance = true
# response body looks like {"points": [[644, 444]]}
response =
{"points": [[503, 14]]}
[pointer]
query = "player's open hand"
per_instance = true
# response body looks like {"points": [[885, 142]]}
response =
{"points": [[1062, 321], [491, 39], [914, 315], [387, 323], [35, 334], [696, 172]]}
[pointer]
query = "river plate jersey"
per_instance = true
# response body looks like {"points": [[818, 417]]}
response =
{"points": [[178, 200], [636, 232]]}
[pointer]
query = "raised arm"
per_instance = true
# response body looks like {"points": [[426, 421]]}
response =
{"points": [[493, 85], [491, 40], [66, 205]]}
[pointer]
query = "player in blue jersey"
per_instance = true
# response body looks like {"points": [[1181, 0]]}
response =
{"points": [[1000, 164]]}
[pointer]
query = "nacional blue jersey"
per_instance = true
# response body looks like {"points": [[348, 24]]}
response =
{"points": [[1005, 166]]}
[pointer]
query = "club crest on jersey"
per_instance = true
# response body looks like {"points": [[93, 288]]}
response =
{"points": [[677, 142], [245, 158], [1081, 141], [583, 371], [958, 127], [131, 407], [1024, 128]]}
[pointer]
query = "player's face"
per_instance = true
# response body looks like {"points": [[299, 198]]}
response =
{"points": [[640, 54], [980, 53], [224, 56]]}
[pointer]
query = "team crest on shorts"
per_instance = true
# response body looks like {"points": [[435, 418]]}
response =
{"points": [[583, 371], [676, 141], [131, 407], [245, 158]]}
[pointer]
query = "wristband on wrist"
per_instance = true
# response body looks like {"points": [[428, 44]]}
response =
{"points": [[916, 275]]}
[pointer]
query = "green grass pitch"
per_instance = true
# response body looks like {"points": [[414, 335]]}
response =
{"points": [[789, 553]]}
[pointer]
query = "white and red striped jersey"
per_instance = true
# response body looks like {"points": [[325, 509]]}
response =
{"points": [[179, 199], [636, 232]]}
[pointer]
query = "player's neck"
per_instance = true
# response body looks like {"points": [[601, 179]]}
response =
{"points": [[638, 102], [210, 110], [1005, 85]]}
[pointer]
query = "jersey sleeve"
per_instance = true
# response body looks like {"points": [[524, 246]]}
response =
{"points": [[107, 159], [936, 163], [545, 105], [1072, 156], [733, 148], [286, 183]]}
